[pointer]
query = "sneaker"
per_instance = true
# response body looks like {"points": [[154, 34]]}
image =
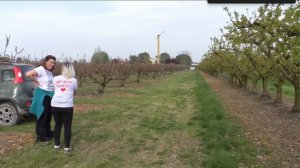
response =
{"points": [[67, 150], [57, 146]]}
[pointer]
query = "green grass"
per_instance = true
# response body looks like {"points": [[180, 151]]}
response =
{"points": [[224, 144], [172, 121]]}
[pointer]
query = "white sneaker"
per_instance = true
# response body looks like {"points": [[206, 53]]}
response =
{"points": [[57, 146], [67, 150]]}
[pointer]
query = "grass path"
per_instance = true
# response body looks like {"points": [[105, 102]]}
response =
{"points": [[142, 125], [172, 121], [272, 128]]}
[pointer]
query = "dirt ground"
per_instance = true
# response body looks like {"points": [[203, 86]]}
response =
{"points": [[272, 128], [10, 141]]}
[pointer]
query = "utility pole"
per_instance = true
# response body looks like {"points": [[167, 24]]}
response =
{"points": [[158, 49]]}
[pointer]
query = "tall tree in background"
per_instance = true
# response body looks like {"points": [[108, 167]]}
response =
{"points": [[100, 57], [184, 58], [144, 58], [133, 59], [163, 57]]}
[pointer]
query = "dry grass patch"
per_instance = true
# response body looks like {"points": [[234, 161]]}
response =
{"points": [[177, 149], [84, 108], [11, 141], [120, 94]]}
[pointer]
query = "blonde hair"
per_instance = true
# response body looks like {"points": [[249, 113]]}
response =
{"points": [[67, 70]]}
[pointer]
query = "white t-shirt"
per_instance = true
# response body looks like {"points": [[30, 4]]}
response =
{"points": [[64, 91], [45, 78]]}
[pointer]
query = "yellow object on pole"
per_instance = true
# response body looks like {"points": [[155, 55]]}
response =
{"points": [[158, 48]]}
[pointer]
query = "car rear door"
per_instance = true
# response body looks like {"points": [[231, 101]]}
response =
{"points": [[28, 83]]}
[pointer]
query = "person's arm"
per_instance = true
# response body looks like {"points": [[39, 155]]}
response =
{"points": [[75, 92], [32, 74], [76, 86]]}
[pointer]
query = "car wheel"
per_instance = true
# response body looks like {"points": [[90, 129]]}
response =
{"points": [[8, 115]]}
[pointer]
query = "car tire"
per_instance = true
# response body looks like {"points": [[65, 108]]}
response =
{"points": [[8, 115]]}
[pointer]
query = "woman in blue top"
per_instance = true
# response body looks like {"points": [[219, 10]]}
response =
{"points": [[42, 95]]}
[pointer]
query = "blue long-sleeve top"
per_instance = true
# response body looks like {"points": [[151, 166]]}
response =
{"points": [[37, 107]]}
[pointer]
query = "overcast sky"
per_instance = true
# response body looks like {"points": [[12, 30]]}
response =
{"points": [[119, 28]]}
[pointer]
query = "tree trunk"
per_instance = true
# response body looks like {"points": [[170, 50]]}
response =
{"points": [[234, 81], [240, 83], [101, 89], [80, 83], [265, 87], [278, 98], [296, 108], [245, 82], [122, 83], [138, 77], [231, 80], [254, 84]]}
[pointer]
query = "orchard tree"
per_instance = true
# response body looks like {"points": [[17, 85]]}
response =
{"points": [[243, 33], [122, 72], [265, 45], [288, 49], [102, 74]]}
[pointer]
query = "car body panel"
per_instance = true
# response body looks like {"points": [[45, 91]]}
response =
{"points": [[16, 93]]}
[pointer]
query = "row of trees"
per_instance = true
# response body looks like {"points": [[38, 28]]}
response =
{"points": [[101, 69], [100, 57], [183, 58], [103, 74], [264, 46]]}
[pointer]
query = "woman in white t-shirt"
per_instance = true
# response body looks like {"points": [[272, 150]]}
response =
{"points": [[62, 104], [41, 102]]}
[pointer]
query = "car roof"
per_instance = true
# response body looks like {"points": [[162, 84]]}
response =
{"points": [[13, 63]]}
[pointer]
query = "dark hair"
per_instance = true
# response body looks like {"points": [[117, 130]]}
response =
{"points": [[47, 58]]}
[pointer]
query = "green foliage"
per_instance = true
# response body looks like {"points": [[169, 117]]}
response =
{"points": [[265, 45], [184, 59], [133, 59], [144, 57], [100, 57], [163, 57]]}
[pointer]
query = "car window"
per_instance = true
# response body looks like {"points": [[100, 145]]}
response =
{"points": [[8, 75], [26, 68]]}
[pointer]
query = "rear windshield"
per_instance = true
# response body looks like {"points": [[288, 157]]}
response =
{"points": [[26, 68], [8, 75]]}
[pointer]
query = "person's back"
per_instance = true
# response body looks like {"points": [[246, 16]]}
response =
{"points": [[64, 91], [62, 104]]}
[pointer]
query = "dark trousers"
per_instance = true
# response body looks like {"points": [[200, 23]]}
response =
{"points": [[43, 124], [63, 116]]}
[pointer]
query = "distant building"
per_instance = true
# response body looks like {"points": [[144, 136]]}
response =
{"points": [[193, 66]]}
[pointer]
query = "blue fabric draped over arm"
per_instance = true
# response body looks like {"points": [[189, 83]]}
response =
{"points": [[37, 107]]}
